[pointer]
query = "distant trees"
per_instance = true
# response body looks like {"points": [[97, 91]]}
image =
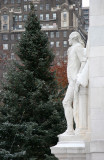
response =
{"points": [[60, 67]]}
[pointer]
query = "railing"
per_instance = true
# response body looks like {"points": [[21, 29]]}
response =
{"points": [[49, 27], [14, 29], [15, 10]]}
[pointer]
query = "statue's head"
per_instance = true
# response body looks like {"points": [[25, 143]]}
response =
{"points": [[75, 37]]}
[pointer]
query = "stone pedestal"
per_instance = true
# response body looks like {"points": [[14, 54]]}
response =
{"points": [[70, 151], [72, 148]]}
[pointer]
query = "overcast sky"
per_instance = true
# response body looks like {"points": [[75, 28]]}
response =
{"points": [[85, 3]]}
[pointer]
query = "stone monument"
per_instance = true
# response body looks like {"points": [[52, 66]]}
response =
{"points": [[87, 142], [75, 101]]}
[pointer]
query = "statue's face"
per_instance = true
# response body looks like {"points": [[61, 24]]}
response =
{"points": [[70, 40], [73, 38]]}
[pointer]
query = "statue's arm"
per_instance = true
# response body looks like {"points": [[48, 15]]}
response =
{"points": [[82, 57], [82, 77], [82, 66]]}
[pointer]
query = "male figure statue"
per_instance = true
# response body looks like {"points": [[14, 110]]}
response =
{"points": [[76, 62]]}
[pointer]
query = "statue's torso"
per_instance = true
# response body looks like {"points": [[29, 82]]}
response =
{"points": [[74, 63]]}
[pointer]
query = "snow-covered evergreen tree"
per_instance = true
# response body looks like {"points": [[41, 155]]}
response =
{"points": [[31, 114]]}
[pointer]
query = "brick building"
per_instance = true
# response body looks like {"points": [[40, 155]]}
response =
{"points": [[56, 19], [81, 18]]}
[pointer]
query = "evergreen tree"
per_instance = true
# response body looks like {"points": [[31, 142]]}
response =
{"points": [[31, 114]]}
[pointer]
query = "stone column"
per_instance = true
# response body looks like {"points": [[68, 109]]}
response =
{"points": [[96, 79], [83, 110]]}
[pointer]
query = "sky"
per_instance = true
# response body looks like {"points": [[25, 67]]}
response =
{"points": [[85, 3]]}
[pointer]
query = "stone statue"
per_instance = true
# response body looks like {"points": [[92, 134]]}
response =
{"points": [[76, 62]]}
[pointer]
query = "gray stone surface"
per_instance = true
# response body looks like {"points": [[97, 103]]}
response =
{"points": [[90, 145]]}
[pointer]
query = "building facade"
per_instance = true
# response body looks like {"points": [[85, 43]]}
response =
{"points": [[56, 19]]}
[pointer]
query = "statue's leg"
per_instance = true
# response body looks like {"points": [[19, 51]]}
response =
{"points": [[67, 104]]}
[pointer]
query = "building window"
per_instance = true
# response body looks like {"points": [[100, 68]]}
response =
{"points": [[16, 18], [54, 25], [47, 33], [5, 46], [5, 17], [41, 25], [54, 15], [12, 1], [12, 56], [57, 44], [47, 6], [5, 1], [20, 17], [19, 8], [86, 11], [57, 53], [18, 36], [5, 27], [52, 34], [86, 26], [29, 7], [57, 5], [87, 21], [4, 56], [52, 44], [35, 6], [65, 53], [41, 6], [25, 8], [12, 37], [47, 16], [18, 1], [65, 43], [65, 34], [57, 34], [20, 26], [86, 17], [25, 17], [64, 16], [41, 16], [12, 46], [5, 37]]}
